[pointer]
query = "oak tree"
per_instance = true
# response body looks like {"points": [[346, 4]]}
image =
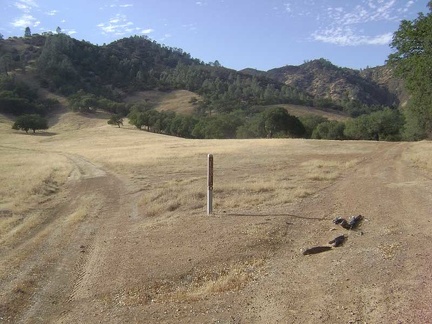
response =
{"points": [[27, 122], [412, 59]]}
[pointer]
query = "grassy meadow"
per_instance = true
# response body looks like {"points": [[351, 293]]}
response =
{"points": [[250, 176]]}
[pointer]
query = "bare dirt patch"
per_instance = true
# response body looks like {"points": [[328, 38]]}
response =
{"points": [[124, 237]]}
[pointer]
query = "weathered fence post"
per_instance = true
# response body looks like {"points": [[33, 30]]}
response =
{"points": [[209, 184]]}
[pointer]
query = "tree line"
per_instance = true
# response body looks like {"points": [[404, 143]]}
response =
{"points": [[276, 122]]}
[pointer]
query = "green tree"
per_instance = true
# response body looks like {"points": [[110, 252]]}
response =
{"points": [[6, 63], [59, 62], [116, 120], [380, 125], [310, 122], [83, 102], [412, 59], [252, 128], [58, 30], [278, 122], [27, 122], [330, 130], [136, 118], [413, 130], [27, 32], [358, 128], [387, 124], [219, 126], [182, 125]]}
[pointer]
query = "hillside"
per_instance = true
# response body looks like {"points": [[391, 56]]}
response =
{"points": [[384, 77], [65, 65], [165, 90], [300, 111], [322, 79], [178, 101]]}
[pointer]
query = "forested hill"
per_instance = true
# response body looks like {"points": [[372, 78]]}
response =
{"points": [[322, 79], [228, 103], [66, 65]]}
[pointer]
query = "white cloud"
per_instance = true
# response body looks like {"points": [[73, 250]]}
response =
{"points": [[31, 3], [298, 8], [407, 6], [189, 27], [126, 5], [147, 31], [345, 36], [68, 31], [25, 20], [346, 25], [375, 10], [117, 25], [409, 3], [22, 6], [25, 5], [52, 12]]}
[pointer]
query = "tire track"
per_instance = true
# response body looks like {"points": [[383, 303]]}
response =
{"points": [[60, 247]]}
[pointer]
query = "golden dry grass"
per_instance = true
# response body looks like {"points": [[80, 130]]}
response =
{"points": [[177, 100], [229, 277], [28, 176], [170, 171], [195, 285], [420, 155], [299, 111]]}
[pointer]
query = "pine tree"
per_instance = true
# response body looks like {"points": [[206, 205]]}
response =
{"points": [[27, 32]]}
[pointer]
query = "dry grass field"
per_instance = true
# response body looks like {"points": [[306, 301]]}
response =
{"points": [[100, 224], [177, 100], [299, 111]]}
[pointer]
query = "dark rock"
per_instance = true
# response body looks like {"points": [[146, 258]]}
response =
{"points": [[338, 241], [353, 223]]}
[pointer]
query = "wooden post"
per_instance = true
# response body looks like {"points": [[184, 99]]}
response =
{"points": [[209, 184]]}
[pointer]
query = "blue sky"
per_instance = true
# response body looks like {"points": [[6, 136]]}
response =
{"points": [[261, 34]]}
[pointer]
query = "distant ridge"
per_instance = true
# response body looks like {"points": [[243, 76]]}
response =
{"points": [[321, 78]]}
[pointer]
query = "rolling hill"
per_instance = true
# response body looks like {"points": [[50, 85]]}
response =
{"points": [[322, 79], [140, 74]]}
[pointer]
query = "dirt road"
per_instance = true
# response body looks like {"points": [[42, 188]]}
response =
{"points": [[95, 260], [382, 274]]}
